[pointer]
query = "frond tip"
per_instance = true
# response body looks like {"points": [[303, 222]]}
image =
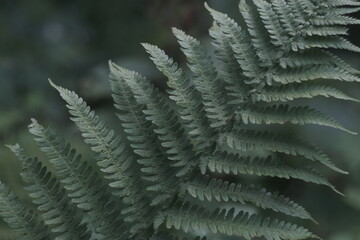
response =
{"points": [[211, 188], [228, 163], [194, 218], [280, 114], [114, 157], [247, 140]]}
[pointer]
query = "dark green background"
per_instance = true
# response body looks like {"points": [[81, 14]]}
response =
{"points": [[71, 42]]}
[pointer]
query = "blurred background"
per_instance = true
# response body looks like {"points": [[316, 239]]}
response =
{"points": [[71, 43]]}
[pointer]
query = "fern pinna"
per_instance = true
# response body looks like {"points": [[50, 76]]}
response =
{"points": [[166, 171]]}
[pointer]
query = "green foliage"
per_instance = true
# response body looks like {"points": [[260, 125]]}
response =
{"points": [[169, 156], [228, 163], [191, 217], [50, 198], [24, 221], [84, 187], [210, 188]]}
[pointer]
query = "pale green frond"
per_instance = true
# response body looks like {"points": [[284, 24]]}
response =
{"points": [[114, 157], [345, 10], [229, 163], [247, 140], [325, 31], [293, 91], [51, 201], [256, 29], [169, 130], [330, 42], [283, 113], [195, 218], [211, 188], [312, 57], [143, 139], [228, 66], [241, 45], [280, 50], [340, 3], [341, 63], [101, 139], [287, 18], [185, 95], [298, 9], [24, 222], [205, 78], [303, 74], [84, 187], [272, 23], [334, 19]]}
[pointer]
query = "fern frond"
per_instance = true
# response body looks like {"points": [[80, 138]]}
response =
{"points": [[256, 29], [212, 188], [241, 45], [312, 73], [169, 130], [244, 51], [345, 10], [25, 222], [287, 19], [272, 23], [314, 57], [205, 78], [325, 31], [114, 158], [325, 43], [303, 11], [334, 19], [305, 58], [341, 63], [297, 42], [337, 3], [229, 69], [223, 162], [279, 51], [280, 114], [144, 140], [194, 218], [293, 91], [247, 140], [51, 200], [84, 187], [185, 95]]}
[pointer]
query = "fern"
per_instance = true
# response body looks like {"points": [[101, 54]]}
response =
{"points": [[144, 141], [85, 188], [24, 221], [114, 158], [211, 188], [280, 114], [223, 162], [50, 198], [247, 140], [167, 125], [190, 217], [293, 91], [185, 95], [169, 158], [205, 78]]}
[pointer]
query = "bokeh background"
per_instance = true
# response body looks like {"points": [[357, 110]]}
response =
{"points": [[71, 42]]}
